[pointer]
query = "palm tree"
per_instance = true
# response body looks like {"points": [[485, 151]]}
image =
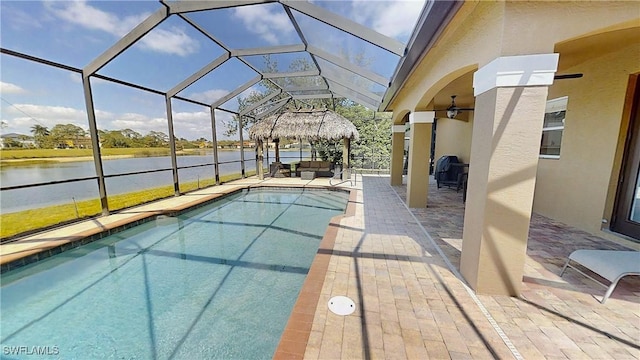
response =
{"points": [[40, 134], [39, 130]]}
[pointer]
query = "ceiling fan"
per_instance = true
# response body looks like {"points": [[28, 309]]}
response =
{"points": [[453, 110], [567, 76]]}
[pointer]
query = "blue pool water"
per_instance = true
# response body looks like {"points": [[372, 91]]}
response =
{"points": [[216, 282]]}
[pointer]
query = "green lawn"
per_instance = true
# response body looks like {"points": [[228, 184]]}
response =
{"points": [[12, 224], [53, 153]]}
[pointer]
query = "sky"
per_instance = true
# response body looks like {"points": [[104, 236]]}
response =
{"points": [[74, 33]]}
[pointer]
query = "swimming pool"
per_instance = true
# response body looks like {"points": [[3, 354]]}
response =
{"points": [[216, 282]]}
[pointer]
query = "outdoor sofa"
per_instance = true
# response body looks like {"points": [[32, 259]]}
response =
{"points": [[321, 168]]}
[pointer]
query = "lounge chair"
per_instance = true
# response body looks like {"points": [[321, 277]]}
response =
{"points": [[612, 265]]}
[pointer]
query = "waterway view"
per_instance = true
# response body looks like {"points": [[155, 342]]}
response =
{"points": [[40, 196]]}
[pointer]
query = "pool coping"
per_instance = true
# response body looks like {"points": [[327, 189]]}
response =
{"points": [[44, 247], [293, 342]]}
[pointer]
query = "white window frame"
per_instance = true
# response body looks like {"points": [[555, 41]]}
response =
{"points": [[555, 105]]}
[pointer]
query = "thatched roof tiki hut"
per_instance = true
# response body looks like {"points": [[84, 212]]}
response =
{"points": [[309, 125]]}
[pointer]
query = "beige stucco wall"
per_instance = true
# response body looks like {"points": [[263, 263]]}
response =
{"points": [[574, 188], [453, 137]]}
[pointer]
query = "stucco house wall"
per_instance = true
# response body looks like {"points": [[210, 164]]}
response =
{"points": [[454, 138], [574, 188]]}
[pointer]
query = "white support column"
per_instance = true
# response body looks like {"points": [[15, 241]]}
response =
{"points": [[397, 154], [419, 153], [511, 93]]}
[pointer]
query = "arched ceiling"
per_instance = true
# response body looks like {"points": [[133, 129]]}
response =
{"points": [[577, 50], [461, 88]]}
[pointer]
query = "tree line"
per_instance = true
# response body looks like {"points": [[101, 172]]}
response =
{"points": [[73, 136]]}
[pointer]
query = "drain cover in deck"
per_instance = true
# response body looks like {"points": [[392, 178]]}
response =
{"points": [[341, 305]]}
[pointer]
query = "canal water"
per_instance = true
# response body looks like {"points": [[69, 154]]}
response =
{"points": [[35, 197]]}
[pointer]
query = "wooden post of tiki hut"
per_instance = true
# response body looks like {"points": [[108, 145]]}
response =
{"points": [[346, 149], [259, 159], [276, 141]]}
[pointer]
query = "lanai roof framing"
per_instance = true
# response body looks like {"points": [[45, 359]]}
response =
{"points": [[275, 106], [357, 66], [336, 75], [183, 8]]}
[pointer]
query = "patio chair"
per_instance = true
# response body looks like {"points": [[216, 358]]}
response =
{"points": [[279, 170], [612, 265]]}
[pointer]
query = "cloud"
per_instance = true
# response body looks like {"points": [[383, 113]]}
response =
{"points": [[209, 96], [9, 88], [392, 18], [260, 20], [192, 125], [138, 122], [172, 41], [76, 78], [27, 115], [101, 114], [187, 124], [80, 13], [190, 117]]}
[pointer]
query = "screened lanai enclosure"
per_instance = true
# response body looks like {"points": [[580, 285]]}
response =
{"points": [[181, 82]]}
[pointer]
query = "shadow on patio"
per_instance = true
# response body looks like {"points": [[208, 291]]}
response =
{"points": [[411, 303], [563, 306]]}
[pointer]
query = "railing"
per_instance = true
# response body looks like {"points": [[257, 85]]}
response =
{"points": [[84, 200], [373, 164], [71, 210], [24, 186], [337, 176]]}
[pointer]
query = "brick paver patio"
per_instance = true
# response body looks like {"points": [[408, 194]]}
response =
{"points": [[411, 304]]}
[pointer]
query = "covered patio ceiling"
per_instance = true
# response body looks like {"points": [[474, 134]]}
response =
{"points": [[329, 56]]}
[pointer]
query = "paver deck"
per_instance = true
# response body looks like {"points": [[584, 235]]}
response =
{"points": [[412, 303], [400, 268]]}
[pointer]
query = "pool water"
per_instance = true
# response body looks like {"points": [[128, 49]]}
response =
{"points": [[216, 282]]}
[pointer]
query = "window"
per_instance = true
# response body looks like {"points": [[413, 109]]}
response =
{"points": [[553, 127]]}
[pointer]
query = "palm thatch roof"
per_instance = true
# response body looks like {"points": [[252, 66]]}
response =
{"points": [[310, 125]]}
